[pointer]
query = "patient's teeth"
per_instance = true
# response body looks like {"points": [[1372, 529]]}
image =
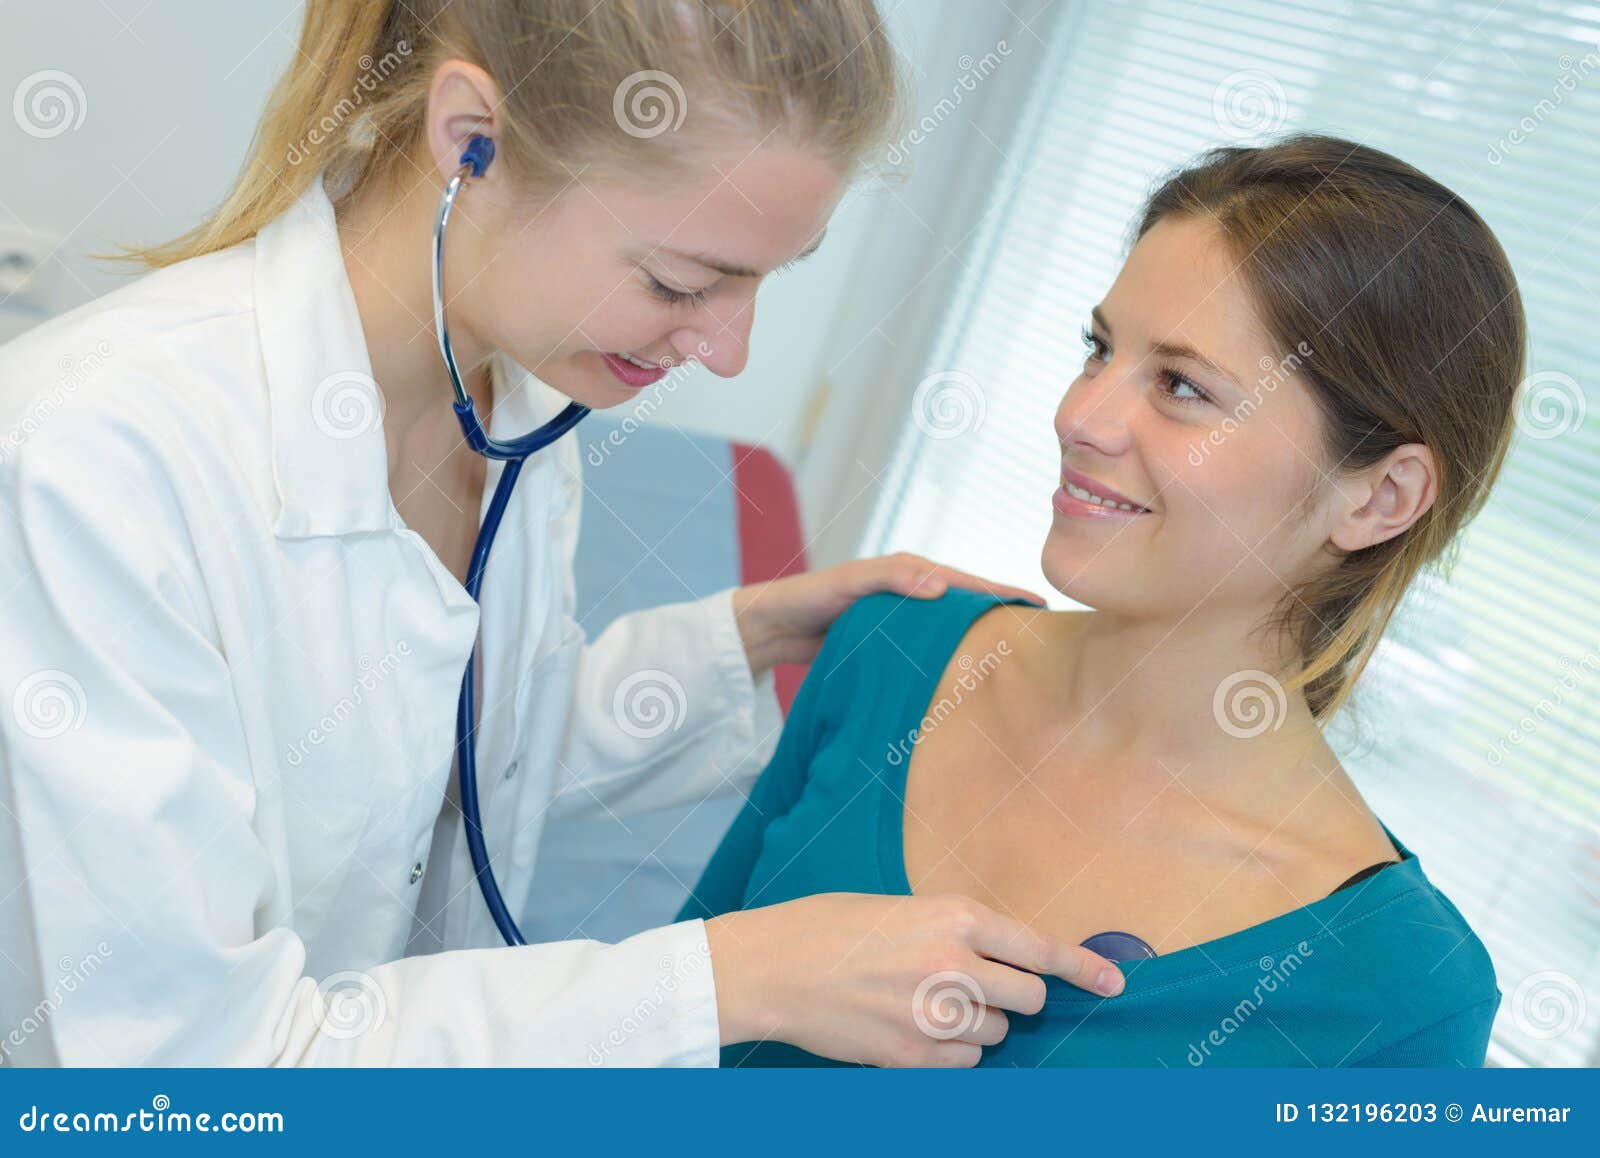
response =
{"points": [[1078, 492]]}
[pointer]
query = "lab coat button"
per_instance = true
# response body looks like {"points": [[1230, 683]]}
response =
{"points": [[416, 872], [511, 769]]}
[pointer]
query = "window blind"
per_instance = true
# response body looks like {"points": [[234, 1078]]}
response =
{"points": [[1475, 733]]}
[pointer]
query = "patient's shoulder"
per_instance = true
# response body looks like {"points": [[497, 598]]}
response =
{"points": [[883, 625], [896, 619], [886, 643]]}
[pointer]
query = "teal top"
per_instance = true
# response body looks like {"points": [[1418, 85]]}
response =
{"points": [[1383, 972]]}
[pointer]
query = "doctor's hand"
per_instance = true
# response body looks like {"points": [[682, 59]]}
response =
{"points": [[890, 981], [783, 621]]}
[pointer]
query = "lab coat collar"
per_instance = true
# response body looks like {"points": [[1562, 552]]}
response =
{"points": [[330, 461]]}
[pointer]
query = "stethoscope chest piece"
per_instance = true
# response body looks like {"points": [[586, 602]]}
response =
{"points": [[1115, 946]]}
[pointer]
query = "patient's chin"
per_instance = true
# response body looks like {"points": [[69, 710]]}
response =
{"points": [[1070, 573]]}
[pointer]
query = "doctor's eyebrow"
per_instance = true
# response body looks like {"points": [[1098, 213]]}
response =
{"points": [[727, 269]]}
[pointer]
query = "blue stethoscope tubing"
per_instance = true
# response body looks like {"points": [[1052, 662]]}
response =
{"points": [[474, 160]]}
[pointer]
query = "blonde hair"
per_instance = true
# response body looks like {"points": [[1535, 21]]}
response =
{"points": [[580, 82], [1412, 328]]}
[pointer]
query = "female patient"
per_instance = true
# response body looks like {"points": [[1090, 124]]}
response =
{"points": [[1297, 391]]}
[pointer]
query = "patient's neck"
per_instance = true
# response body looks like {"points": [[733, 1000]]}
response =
{"points": [[1144, 693]]}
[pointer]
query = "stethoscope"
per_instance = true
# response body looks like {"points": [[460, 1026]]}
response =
{"points": [[474, 160]]}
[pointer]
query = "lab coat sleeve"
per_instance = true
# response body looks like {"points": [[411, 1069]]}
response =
{"points": [[665, 712], [139, 881]]}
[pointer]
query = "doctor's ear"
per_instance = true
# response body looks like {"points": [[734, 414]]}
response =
{"points": [[461, 104], [1378, 503]]}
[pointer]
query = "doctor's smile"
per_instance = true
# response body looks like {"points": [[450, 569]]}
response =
{"points": [[634, 372], [450, 625]]}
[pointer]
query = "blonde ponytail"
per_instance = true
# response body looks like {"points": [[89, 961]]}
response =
{"points": [[307, 123], [571, 73]]}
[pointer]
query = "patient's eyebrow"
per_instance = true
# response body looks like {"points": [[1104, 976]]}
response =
{"points": [[1171, 349], [730, 269]]}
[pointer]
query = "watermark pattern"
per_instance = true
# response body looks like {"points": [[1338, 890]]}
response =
{"points": [[372, 674], [373, 73], [1549, 404], [1548, 1004], [348, 1004], [947, 1005], [1249, 103], [347, 405], [973, 673], [948, 404], [649, 103], [1547, 705], [1248, 703], [74, 373], [1572, 74], [649, 703], [48, 704], [70, 974], [49, 103], [972, 72], [155, 1120], [674, 973], [1274, 373], [1273, 974]]}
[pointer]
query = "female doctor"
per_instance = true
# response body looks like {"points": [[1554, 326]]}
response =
{"points": [[236, 514]]}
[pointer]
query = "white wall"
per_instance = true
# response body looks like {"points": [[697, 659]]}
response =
{"points": [[163, 99]]}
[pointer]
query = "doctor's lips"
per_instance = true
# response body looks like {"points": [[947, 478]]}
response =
{"points": [[1082, 496], [631, 370]]}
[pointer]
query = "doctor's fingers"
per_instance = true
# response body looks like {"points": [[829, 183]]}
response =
{"points": [[988, 984], [905, 573], [989, 1027], [1007, 940], [955, 1055], [953, 1009], [930, 579]]}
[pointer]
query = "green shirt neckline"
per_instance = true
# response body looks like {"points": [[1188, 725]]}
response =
{"points": [[1259, 947]]}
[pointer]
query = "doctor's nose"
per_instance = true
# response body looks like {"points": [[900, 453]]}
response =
{"points": [[721, 342]]}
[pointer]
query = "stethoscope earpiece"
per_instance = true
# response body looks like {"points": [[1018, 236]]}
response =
{"points": [[478, 153]]}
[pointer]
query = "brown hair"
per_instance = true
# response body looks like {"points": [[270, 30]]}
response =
{"points": [[580, 82], [1415, 328]]}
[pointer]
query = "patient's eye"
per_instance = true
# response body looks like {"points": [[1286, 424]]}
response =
{"points": [[1095, 349], [1173, 384]]}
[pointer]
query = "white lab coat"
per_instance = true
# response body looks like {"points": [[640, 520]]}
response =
{"points": [[229, 678]]}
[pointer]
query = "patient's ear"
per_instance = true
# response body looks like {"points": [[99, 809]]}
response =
{"points": [[1378, 503]]}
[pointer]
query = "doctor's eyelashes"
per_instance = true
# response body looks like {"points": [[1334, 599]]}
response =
{"points": [[675, 297]]}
